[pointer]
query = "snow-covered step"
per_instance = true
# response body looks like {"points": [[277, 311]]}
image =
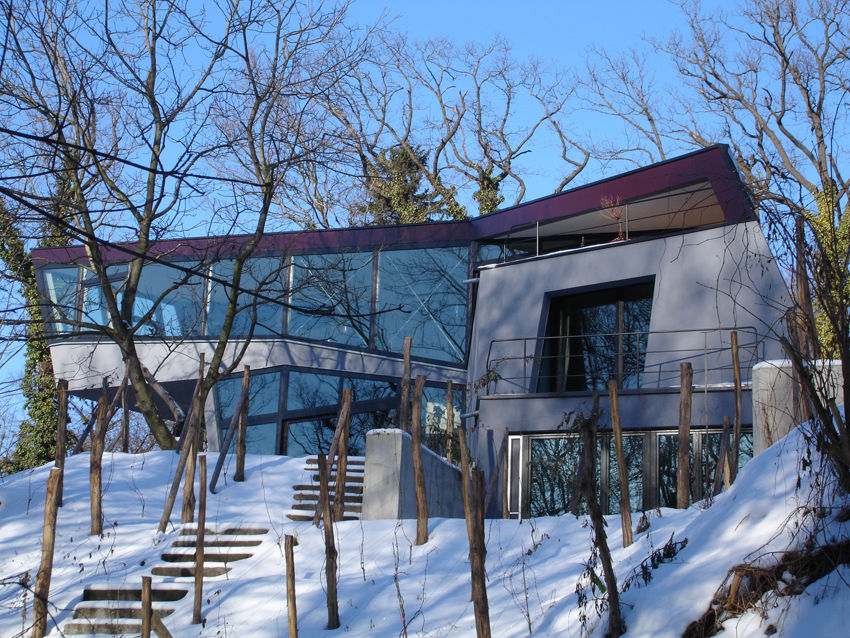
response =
{"points": [[117, 594], [217, 541], [209, 557], [186, 571], [115, 612], [226, 531], [101, 628]]}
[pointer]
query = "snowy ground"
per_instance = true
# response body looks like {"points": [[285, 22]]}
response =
{"points": [[533, 566]]}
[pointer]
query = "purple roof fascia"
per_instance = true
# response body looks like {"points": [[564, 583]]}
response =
{"points": [[713, 164]]}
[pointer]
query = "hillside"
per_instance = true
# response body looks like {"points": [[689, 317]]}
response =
{"points": [[533, 566]]}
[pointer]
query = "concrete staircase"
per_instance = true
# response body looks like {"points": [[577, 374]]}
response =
{"points": [[307, 495], [117, 611]]}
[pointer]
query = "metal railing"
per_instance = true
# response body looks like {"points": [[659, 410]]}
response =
{"points": [[645, 360]]}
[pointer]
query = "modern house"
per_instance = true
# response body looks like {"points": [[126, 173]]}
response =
{"points": [[529, 311]]}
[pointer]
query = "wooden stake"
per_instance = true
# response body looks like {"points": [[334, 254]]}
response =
{"points": [[684, 470], [404, 400], [178, 474], [125, 424], [147, 608], [96, 463], [418, 471], [242, 433], [199, 542], [465, 478], [722, 470], [450, 420], [330, 546], [61, 425], [194, 435], [292, 612], [42, 582], [342, 419], [342, 469], [736, 441], [477, 557], [622, 469]]}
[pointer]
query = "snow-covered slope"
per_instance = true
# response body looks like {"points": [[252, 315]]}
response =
{"points": [[533, 566]]}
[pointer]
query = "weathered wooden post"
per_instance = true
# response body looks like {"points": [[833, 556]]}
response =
{"points": [[291, 611], [506, 510], [722, 471], [61, 426], [199, 541], [622, 469], [96, 463], [194, 436], [684, 470], [45, 570], [342, 460], [736, 440], [477, 557], [341, 420], [464, 471], [125, 424], [242, 432], [147, 607], [418, 470], [330, 545], [450, 420], [404, 399]]}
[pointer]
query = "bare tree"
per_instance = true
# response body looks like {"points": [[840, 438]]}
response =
{"points": [[462, 116], [770, 80], [151, 112]]}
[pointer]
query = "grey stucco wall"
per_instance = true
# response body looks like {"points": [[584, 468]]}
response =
{"points": [[776, 409], [714, 278], [388, 489]]}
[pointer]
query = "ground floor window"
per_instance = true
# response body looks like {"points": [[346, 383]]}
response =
{"points": [[543, 470], [294, 411]]}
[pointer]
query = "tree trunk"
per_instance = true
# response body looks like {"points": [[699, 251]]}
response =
{"points": [[291, 611], [96, 463], [477, 557], [736, 440], [199, 541], [404, 394], [61, 425], [450, 420]]}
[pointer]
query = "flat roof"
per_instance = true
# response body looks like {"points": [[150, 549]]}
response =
{"points": [[699, 188]]}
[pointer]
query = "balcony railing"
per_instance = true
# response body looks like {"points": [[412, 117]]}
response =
{"points": [[648, 360]]}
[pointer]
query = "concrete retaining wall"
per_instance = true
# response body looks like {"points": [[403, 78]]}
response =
{"points": [[388, 491], [776, 405]]}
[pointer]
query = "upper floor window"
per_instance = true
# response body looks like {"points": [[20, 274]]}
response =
{"points": [[594, 337]]}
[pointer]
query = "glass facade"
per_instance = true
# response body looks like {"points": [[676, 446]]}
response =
{"points": [[339, 288], [265, 275], [421, 294], [544, 470], [368, 300], [304, 422]]}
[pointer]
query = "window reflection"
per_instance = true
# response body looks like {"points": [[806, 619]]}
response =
{"points": [[61, 287], [263, 394], [94, 305], [633, 453], [595, 337], [266, 275], [421, 295], [174, 299], [339, 284]]}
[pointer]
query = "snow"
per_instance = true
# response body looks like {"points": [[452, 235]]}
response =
{"points": [[533, 565]]}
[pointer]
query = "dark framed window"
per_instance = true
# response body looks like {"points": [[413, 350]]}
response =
{"points": [[596, 336]]}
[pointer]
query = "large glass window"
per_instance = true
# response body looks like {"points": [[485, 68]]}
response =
{"points": [[594, 337], [94, 305], [421, 295], [266, 275], [633, 453], [61, 287], [339, 288], [170, 301]]}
